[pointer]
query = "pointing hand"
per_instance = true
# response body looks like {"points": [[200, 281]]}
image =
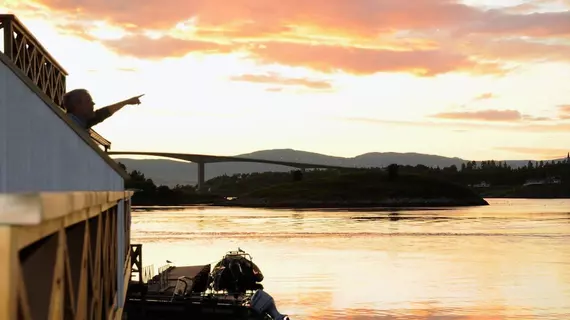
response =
{"points": [[133, 100]]}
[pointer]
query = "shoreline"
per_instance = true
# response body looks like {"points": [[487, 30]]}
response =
{"points": [[332, 205], [387, 203], [301, 204]]}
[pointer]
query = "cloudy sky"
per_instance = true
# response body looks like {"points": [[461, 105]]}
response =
{"points": [[477, 79]]}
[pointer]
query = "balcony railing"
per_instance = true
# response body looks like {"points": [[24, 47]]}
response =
{"points": [[106, 144], [26, 52], [28, 55]]}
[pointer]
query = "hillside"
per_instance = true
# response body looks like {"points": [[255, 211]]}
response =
{"points": [[170, 172]]}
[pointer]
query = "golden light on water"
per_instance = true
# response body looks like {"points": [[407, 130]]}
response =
{"points": [[505, 261]]}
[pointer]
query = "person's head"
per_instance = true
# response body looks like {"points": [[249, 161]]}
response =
{"points": [[79, 103]]}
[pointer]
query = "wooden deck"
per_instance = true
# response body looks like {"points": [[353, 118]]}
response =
{"points": [[64, 255]]}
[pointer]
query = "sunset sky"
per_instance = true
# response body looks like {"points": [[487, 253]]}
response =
{"points": [[477, 79]]}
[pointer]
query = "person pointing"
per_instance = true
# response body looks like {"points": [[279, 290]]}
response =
{"points": [[81, 108]]}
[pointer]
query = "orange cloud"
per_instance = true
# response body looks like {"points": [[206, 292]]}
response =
{"points": [[276, 79], [515, 50], [328, 58], [483, 115], [545, 24], [527, 7], [489, 125], [534, 118], [564, 109], [360, 17], [556, 127], [360, 37], [485, 96], [357, 17], [324, 58], [427, 124], [536, 5], [145, 47], [564, 112], [543, 153]]}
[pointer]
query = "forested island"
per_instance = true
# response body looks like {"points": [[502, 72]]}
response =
{"points": [[392, 186]]}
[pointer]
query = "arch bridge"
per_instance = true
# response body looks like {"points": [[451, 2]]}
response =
{"points": [[202, 159]]}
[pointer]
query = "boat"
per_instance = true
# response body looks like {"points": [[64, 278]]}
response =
{"points": [[236, 273], [229, 290]]}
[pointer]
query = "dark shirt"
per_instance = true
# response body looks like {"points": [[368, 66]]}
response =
{"points": [[99, 116]]}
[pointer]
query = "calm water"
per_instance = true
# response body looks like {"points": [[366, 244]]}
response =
{"points": [[509, 260]]}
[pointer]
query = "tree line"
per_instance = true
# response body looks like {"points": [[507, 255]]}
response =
{"points": [[496, 173]]}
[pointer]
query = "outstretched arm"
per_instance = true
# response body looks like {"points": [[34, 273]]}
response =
{"points": [[103, 113]]}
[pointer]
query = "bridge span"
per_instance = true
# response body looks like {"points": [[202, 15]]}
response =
{"points": [[202, 159]]}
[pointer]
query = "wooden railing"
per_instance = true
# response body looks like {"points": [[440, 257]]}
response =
{"points": [[26, 52], [64, 255], [148, 273], [106, 144], [139, 273], [164, 275]]}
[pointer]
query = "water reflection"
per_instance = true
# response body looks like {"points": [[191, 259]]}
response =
{"points": [[505, 261]]}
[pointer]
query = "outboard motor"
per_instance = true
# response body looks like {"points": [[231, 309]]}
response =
{"points": [[262, 303]]}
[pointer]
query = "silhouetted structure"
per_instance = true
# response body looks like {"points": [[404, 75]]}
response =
{"points": [[297, 175], [393, 172]]}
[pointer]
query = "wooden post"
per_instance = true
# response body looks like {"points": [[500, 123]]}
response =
{"points": [[9, 276], [120, 226], [8, 35]]}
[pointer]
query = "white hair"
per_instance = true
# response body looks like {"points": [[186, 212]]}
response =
{"points": [[72, 98]]}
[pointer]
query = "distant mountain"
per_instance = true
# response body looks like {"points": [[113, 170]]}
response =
{"points": [[172, 172]]}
